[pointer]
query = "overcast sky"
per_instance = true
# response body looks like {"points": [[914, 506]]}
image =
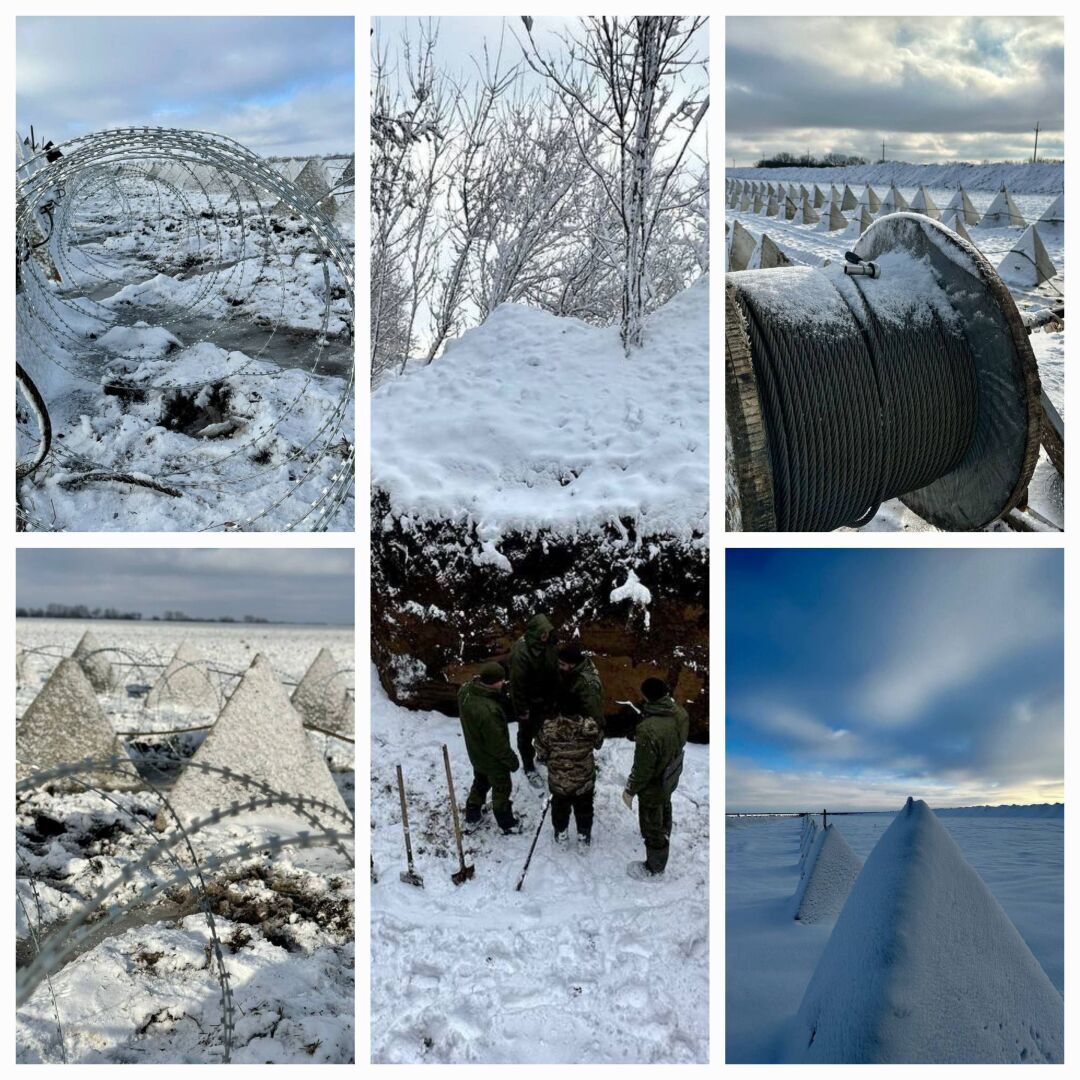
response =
{"points": [[313, 585], [934, 88], [278, 85], [858, 677]]}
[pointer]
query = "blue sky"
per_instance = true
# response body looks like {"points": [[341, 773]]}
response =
{"points": [[313, 585], [278, 85], [858, 677], [934, 88]]}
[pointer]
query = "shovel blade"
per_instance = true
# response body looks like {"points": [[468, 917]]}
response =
{"points": [[411, 877], [463, 875]]}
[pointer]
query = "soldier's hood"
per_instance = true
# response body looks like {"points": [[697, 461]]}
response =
{"points": [[535, 627], [664, 707]]}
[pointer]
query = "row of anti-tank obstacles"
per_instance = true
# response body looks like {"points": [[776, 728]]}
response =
{"points": [[256, 759], [1026, 265], [922, 964]]}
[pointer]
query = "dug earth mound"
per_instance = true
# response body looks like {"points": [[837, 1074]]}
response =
{"points": [[437, 614]]}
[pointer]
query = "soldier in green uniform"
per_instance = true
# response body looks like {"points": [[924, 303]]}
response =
{"points": [[580, 691], [534, 687], [566, 744], [659, 737], [482, 708]]}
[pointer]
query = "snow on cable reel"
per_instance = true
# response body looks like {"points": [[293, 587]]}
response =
{"points": [[904, 373], [184, 324]]}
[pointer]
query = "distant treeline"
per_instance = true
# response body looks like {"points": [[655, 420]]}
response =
{"points": [[81, 611], [784, 160]]}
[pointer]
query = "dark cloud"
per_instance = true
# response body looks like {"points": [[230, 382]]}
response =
{"points": [[933, 88], [287, 585], [277, 85]]}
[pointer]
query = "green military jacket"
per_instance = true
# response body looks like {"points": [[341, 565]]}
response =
{"points": [[659, 738], [534, 669], [581, 692], [483, 723]]}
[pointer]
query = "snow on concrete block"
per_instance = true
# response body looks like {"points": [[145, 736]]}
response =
{"points": [[807, 214], [829, 870], [322, 696], [773, 207], [869, 199], [790, 209], [847, 200], [819, 198], [740, 247], [64, 725], [963, 205], [95, 663], [893, 202], [758, 202], [184, 684], [924, 966], [1003, 212], [260, 735], [924, 204], [1028, 264], [832, 219]]}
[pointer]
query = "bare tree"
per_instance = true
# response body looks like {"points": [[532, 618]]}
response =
{"points": [[624, 75]]}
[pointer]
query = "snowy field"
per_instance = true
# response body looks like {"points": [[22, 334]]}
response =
{"points": [[770, 957], [145, 987], [189, 336], [1036, 190], [583, 965]]}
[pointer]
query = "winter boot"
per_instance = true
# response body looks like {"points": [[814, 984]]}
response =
{"points": [[640, 871], [561, 838], [584, 840], [509, 822], [473, 816], [534, 778]]}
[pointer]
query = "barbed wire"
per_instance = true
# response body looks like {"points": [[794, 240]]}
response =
{"points": [[222, 228]]}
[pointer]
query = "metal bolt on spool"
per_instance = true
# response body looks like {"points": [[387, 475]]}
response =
{"points": [[904, 373]]}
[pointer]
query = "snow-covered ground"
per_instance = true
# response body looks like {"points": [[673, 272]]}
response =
{"points": [[811, 246], [532, 422], [771, 957], [146, 989], [583, 965], [193, 339]]}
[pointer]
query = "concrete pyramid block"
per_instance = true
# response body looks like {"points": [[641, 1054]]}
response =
{"points": [[767, 255], [924, 204], [819, 198], [924, 966], [322, 698], [64, 725], [184, 684], [790, 209], [260, 735], [829, 870], [893, 202], [95, 663], [849, 202], [1028, 264], [963, 205], [773, 207], [1002, 212], [955, 220], [860, 222], [740, 247], [807, 214], [744, 202], [758, 203], [1053, 217], [832, 219], [869, 199], [311, 184]]}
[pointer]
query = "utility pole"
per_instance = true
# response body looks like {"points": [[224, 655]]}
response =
{"points": [[882, 151], [1035, 152]]}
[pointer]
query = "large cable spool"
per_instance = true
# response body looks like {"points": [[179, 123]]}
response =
{"points": [[845, 389]]}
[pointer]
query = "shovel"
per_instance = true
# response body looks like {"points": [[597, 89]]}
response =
{"points": [[460, 876], [410, 876]]}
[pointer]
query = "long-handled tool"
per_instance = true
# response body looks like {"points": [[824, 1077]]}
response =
{"points": [[410, 876], [464, 872], [532, 846]]}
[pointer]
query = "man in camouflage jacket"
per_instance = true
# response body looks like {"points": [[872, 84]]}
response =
{"points": [[482, 708], [660, 735], [534, 686], [566, 744], [580, 691]]}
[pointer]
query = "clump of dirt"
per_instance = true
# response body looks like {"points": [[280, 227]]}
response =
{"points": [[203, 412]]}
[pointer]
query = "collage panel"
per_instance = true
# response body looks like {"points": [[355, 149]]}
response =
{"points": [[895, 862], [539, 547], [895, 289], [184, 312], [184, 806]]}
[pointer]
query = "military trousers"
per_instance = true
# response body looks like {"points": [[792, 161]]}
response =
{"points": [[654, 819], [500, 786], [582, 807]]}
